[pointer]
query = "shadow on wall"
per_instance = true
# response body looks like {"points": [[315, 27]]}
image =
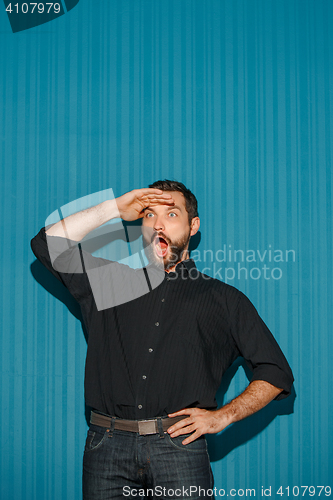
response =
{"points": [[241, 432], [60, 292], [221, 445]]}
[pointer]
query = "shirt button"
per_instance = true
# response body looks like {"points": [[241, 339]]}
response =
{"points": [[140, 407], [163, 300], [144, 377], [157, 323], [150, 349]]}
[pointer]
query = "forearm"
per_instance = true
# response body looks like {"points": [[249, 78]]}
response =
{"points": [[130, 206], [77, 226], [257, 395]]}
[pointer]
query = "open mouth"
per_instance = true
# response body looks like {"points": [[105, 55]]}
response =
{"points": [[161, 246]]}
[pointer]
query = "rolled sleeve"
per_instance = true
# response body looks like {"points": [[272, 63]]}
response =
{"points": [[63, 258], [259, 348]]}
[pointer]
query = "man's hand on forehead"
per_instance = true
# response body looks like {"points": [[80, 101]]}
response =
{"points": [[131, 205]]}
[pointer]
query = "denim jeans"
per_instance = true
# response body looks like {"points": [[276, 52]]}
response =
{"points": [[121, 464]]}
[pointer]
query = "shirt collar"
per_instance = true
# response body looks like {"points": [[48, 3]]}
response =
{"points": [[185, 266]]}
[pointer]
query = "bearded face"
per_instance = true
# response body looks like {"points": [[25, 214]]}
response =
{"points": [[162, 249], [167, 230]]}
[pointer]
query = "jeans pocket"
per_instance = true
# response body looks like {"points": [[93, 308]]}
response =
{"points": [[95, 439], [197, 446]]}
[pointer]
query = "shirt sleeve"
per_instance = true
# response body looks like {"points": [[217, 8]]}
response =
{"points": [[109, 282], [64, 259], [259, 348]]}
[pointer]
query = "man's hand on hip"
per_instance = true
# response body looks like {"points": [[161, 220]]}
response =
{"points": [[198, 422], [257, 395]]}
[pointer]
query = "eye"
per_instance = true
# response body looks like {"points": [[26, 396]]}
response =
{"points": [[172, 214], [149, 215]]}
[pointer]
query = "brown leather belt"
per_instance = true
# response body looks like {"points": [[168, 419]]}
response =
{"points": [[143, 427]]}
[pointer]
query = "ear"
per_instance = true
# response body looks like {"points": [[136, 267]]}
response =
{"points": [[195, 224]]}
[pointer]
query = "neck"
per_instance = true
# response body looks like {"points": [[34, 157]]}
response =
{"points": [[185, 256]]}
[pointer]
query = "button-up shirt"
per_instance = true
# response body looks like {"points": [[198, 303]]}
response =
{"points": [[167, 349]]}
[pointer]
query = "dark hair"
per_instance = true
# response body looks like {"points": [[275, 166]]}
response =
{"points": [[191, 203]]}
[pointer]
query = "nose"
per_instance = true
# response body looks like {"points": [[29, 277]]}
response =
{"points": [[158, 225]]}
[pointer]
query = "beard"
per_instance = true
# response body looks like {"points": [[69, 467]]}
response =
{"points": [[176, 249]]}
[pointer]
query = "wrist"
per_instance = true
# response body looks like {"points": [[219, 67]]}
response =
{"points": [[110, 210], [119, 207], [227, 415]]}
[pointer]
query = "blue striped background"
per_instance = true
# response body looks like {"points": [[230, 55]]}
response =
{"points": [[232, 97]]}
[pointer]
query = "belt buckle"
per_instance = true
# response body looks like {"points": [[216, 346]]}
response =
{"points": [[147, 427]]}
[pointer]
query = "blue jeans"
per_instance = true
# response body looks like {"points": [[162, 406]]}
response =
{"points": [[120, 465]]}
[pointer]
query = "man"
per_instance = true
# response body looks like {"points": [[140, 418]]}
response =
{"points": [[154, 363]]}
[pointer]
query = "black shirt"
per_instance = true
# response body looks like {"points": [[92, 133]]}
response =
{"points": [[169, 348]]}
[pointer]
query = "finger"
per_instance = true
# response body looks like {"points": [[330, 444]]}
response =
{"points": [[150, 204], [192, 437], [184, 430], [152, 192], [186, 411], [144, 191], [153, 202], [150, 201], [157, 197], [180, 425], [160, 201]]}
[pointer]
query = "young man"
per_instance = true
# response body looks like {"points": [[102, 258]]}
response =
{"points": [[154, 363]]}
